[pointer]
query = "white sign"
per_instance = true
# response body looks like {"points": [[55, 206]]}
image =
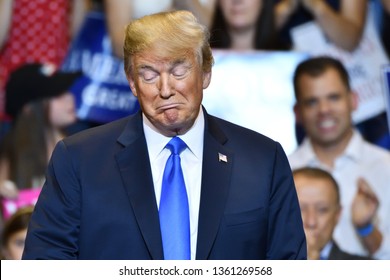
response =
{"points": [[255, 90]]}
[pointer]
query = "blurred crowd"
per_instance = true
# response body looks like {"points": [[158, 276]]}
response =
{"points": [[38, 106]]}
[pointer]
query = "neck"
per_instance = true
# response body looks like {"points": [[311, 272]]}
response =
{"points": [[242, 40], [53, 135], [327, 154]]}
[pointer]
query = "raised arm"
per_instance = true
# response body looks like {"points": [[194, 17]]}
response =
{"points": [[364, 209], [118, 15], [5, 19], [79, 10], [283, 11], [345, 27], [204, 12]]}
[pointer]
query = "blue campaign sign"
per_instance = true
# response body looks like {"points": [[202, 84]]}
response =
{"points": [[103, 93]]}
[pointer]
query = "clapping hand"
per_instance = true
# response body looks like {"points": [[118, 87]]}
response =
{"points": [[364, 205]]}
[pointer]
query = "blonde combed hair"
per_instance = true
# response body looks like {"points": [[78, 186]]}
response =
{"points": [[169, 34]]}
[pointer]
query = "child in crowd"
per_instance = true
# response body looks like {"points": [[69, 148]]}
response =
{"points": [[14, 234]]}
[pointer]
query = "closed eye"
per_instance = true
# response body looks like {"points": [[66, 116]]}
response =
{"points": [[148, 75], [180, 71]]}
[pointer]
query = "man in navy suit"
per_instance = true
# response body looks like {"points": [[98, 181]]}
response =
{"points": [[103, 187], [319, 198]]}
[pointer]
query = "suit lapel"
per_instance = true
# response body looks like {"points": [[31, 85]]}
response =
{"points": [[217, 165], [134, 167]]}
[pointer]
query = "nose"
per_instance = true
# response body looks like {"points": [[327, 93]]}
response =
{"points": [[324, 106], [309, 218], [164, 86]]}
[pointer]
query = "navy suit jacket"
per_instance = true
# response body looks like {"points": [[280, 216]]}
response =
{"points": [[98, 201], [337, 254]]}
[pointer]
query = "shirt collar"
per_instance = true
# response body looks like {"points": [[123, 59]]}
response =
{"points": [[308, 154], [325, 252], [353, 150], [193, 138]]}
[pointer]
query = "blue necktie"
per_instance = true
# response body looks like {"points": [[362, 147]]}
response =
{"points": [[174, 210]]}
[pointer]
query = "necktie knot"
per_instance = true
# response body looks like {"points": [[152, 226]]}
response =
{"points": [[176, 145]]}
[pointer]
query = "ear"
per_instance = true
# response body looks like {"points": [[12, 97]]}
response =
{"points": [[206, 79], [132, 84], [354, 100], [297, 114], [338, 214]]}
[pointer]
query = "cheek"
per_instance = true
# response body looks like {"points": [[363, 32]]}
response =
{"points": [[62, 104], [309, 111], [15, 247], [254, 12], [194, 84], [62, 114], [146, 93], [346, 111], [327, 223], [185, 87], [305, 218], [309, 116], [56, 110], [53, 112]]}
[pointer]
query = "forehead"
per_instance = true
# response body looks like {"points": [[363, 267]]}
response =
{"points": [[328, 81], [315, 189], [154, 59]]}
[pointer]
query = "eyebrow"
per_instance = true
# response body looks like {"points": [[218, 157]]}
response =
{"points": [[145, 67], [179, 61], [171, 65]]}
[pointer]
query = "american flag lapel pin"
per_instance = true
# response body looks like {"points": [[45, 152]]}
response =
{"points": [[222, 157]]}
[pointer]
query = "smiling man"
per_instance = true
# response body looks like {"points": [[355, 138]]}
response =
{"points": [[324, 106], [172, 181]]}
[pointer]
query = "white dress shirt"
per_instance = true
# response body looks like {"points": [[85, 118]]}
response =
{"points": [[325, 252], [360, 159], [191, 161]]}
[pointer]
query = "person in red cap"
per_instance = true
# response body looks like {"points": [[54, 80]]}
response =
{"points": [[41, 106]]}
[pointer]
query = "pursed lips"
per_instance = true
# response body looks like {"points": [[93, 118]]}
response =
{"points": [[168, 106]]}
